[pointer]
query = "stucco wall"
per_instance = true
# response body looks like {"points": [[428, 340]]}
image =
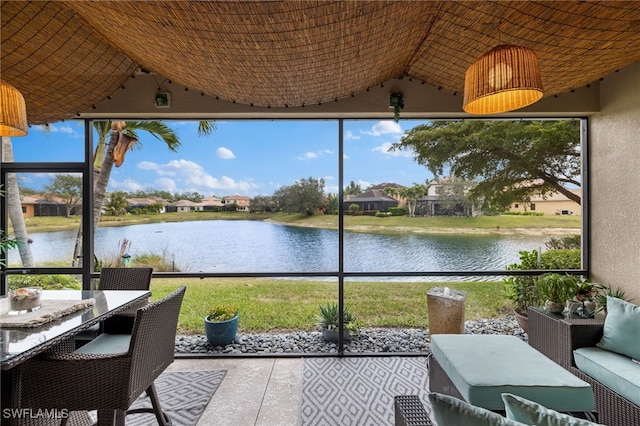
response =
{"points": [[615, 182]]}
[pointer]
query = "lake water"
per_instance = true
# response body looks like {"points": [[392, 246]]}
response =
{"points": [[254, 246]]}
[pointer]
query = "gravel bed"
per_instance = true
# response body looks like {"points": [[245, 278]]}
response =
{"points": [[370, 340]]}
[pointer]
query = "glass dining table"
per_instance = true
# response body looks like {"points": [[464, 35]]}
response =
{"points": [[20, 343]]}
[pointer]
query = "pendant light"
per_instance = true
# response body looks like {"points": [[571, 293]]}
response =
{"points": [[13, 111], [504, 79]]}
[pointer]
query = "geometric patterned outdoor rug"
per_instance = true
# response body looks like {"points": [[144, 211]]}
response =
{"points": [[359, 390], [183, 397]]}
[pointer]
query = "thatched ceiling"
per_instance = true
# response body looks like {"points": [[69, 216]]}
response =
{"points": [[66, 56]]}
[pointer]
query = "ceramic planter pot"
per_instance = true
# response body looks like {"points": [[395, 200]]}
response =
{"points": [[221, 333], [554, 307], [523, 321], [332, 335]]}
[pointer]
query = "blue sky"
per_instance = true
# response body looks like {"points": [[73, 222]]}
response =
{"points": [[240, 157]]}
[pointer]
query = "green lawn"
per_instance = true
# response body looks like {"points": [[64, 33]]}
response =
{"points": [[393, 224], [277, 305]]}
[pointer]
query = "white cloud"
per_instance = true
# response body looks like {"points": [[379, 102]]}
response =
{"points": [[384, 128], [129, 185], [225, 153], [364, 184], [331, 189], [60, 128], [188, 176], [165, 184], [314, 154], [385, 149], [308, 156], [350, 136]]}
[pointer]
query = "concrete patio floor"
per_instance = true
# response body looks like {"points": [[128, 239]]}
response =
{"points": [[255, 391]]}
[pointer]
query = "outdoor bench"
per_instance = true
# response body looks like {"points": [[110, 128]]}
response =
{"points": [[480, 368]]}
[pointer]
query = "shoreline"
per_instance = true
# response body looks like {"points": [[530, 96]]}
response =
{"points": [[382, 228]]}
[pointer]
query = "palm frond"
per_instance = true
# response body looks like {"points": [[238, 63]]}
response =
{"points": [[157, 129]]}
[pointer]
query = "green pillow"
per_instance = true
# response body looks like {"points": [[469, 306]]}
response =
{"points": [[448, 410], [621, 328], [532, 413]]}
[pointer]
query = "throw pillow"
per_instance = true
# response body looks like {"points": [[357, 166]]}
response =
{"points": [[532, 413], [448, 410], [621, 332]]}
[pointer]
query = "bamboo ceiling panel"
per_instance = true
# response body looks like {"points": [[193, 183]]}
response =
{"points": [[66, 56]]}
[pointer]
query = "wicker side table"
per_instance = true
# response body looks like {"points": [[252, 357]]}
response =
{"points": [[556, 336], [409, 411]]}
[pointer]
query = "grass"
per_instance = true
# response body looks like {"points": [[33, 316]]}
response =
{"points": [[270, 305], [392, 224]]}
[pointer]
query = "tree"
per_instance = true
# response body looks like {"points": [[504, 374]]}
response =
{"points": [[6, 243], [510, 160], [332, 204], [304, 196], [453, 195], [261, 203], [411, 194], [353, 189], [67, 188], [123, 137], [117, 204], [14, 208]]}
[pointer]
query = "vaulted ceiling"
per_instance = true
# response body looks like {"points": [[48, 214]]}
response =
{"points": [[65, 56]]}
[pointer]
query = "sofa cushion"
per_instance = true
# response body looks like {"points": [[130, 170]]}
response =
{"points": [[621, 332], [617, 372], [448, 410], [531, 413]]}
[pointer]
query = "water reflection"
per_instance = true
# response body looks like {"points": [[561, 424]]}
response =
{"points": [[254, 246]]}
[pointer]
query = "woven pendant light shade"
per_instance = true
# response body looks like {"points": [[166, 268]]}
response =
{"points": [[504, 79], [13, 111]]}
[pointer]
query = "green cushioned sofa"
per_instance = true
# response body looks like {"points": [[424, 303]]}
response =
{"points": [[610, 363]]}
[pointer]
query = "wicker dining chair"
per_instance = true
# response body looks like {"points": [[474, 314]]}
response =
{"points": [[109, 373], [123, 279], [118, 279]]}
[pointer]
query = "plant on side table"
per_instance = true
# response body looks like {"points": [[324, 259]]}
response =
{"points": [[328, 318], [221, 325], [583, 303], [556, 290]]}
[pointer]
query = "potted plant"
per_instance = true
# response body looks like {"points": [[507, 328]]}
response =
{"points": [[327, 321], [221, 325], [556, 290], [522, 289], [583, 302]]}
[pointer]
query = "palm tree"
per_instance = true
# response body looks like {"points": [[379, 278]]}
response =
{"points": [[123, 138], [117, 204], [14, 208], [411, 194]]}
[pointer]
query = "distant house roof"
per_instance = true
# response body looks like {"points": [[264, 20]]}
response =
{"points": [[41, 199], [370, 195], [384, 185], [146, 201], [237, 198], [212, 201], [185, 203]]}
